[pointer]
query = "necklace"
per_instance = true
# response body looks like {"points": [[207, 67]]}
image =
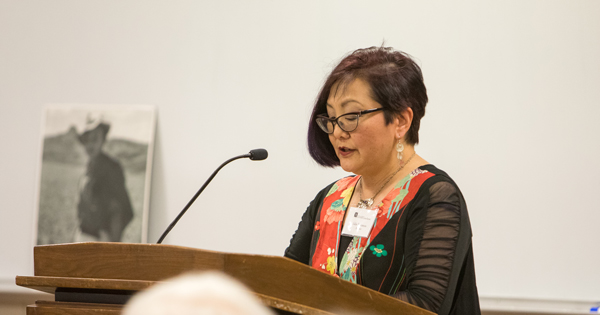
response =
{"points": [[367, 203]]}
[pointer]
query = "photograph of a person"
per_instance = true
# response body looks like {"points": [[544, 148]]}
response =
{"points": [[95, 173]]}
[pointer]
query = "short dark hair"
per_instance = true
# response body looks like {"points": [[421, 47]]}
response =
{"points": [[396, 83], [84, 137]]}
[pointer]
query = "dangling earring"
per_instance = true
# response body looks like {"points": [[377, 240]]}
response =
{"points": [[399, 149]]}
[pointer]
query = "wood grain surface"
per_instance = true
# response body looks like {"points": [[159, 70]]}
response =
{"points": [[281, 283], [68, 308]]}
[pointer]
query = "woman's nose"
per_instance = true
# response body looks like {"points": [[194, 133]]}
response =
{"points": [[338, 132]]}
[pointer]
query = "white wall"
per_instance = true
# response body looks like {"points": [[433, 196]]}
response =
{"points": [[514, 98]]}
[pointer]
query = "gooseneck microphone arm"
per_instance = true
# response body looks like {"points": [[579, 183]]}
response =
{"points": [[255, 155]]}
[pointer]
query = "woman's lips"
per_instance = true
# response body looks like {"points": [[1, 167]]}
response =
{"points": [[344, 151]]}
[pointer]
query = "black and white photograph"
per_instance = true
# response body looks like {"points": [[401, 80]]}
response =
{"points": [[95, 172]]}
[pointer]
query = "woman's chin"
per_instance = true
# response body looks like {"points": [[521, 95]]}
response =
{"points": [[348, 167]]}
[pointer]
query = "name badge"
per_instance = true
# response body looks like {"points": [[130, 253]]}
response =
{"points": [[359, 222]]}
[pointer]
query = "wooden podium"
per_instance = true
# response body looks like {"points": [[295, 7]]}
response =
{"points": [[98, 278]]}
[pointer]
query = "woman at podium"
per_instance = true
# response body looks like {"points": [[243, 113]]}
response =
{"points": [[399, 225]]}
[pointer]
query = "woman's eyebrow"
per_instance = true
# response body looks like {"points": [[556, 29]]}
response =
{"points": [[344, 103], [350, 101]]}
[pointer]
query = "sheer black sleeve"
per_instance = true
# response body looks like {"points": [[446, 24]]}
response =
{"points": [[301, 241], [431, 241]]}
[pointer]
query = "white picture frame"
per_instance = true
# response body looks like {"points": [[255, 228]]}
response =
{"points": [[68, 184]]}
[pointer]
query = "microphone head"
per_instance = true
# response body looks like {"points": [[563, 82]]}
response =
{"points": [[258, 154]]}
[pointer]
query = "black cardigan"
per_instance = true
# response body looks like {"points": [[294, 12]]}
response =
{"points": [[433, 268]]}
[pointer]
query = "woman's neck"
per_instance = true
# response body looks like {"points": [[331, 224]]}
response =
{"points": [[386, 176]]}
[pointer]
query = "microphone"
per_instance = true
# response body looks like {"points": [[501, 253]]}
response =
{"points": [[255, 155], [258, 154]]}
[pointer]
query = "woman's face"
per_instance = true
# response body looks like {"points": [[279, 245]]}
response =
{"points": [[370, 148], [93, 142]]}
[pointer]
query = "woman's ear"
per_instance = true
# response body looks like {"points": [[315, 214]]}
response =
{"points": [[403, 122]]}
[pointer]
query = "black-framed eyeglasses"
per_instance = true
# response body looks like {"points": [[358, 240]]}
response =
{"points": [[347, 122]]}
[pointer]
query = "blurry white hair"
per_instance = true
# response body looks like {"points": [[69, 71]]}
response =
{"points": [[208, 293]]}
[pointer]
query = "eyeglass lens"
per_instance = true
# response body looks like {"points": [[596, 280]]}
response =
{"points": [[347, 123]]}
